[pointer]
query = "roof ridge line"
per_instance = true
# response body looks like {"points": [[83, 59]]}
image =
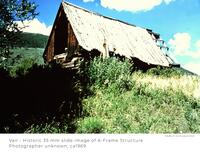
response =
{"points": [[96, 13]]}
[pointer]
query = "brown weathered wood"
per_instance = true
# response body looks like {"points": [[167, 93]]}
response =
{"points": [[136, 42], [49, 50], [61, 37], [72, 43]]}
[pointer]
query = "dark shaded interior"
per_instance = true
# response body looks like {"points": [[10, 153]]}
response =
{"points": [[140, 65], [61, 34]]}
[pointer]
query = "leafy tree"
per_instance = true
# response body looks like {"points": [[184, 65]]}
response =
{"points": [[12, 11]]}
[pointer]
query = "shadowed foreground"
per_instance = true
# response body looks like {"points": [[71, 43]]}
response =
{"points": [[43, 95]]}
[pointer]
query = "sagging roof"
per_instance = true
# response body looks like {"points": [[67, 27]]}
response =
{"points": [[93, 30]]}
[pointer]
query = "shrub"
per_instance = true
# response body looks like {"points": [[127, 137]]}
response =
{"points": [[22, 66], [166, 72], [193, 118], [110, 74], [21, 60], [90, 125], [103, 72]]}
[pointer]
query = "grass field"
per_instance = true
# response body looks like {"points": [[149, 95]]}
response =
{"points": [[152, 104], [114, 100], [121, 102], [146, 108], [30, 53], [23, 59]]}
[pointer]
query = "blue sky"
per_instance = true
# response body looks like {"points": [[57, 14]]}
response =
{"points": [[177, 21]]}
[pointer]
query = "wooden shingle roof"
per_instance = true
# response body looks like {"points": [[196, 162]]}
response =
{"points": [[92, 30]]}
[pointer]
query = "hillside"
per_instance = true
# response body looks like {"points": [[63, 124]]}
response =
{"points": [[27, 52], [103, 96], [114, 100], [31, 40], [158, 101]]}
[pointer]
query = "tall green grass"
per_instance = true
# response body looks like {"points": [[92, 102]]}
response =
{"points": [[121, 103], [158, 101], [109, 73]]}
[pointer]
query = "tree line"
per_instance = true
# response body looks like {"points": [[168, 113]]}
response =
{"points": [[31, 40]]}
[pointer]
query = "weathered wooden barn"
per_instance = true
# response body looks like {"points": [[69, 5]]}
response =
{"points": [[79, 32]]}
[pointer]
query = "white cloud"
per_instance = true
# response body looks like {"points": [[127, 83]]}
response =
{"points": [[133, 5], [193, 67], [181, 45], [35, 26], [168, 1], [88, 0], [198, 44]]}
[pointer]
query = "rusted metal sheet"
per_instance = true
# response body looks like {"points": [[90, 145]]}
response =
{"points": [[92, 30]]}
